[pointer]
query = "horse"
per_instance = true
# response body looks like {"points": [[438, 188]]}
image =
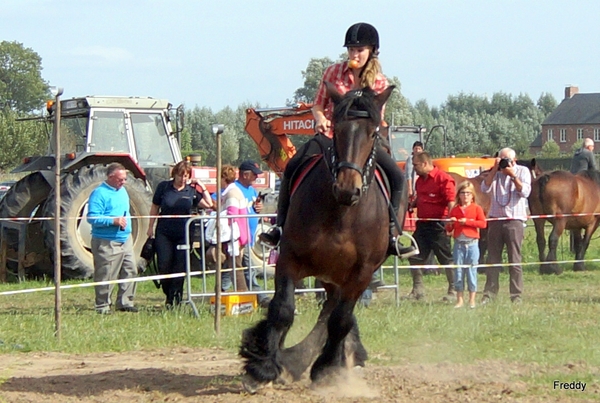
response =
{"points": [[334, 231], [561, 192]]}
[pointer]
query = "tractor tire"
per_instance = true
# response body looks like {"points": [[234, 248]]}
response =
{"points": [[26, 199], [75, 232], [25, 196]]}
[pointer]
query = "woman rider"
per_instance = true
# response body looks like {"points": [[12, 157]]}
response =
{"points": [[361, 70]]}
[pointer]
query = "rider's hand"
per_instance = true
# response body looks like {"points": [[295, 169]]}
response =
{"points": [[323, 124]]}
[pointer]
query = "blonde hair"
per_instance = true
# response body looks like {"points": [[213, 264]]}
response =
{"points": [[466, 185], [371, 71], [228, 174]]}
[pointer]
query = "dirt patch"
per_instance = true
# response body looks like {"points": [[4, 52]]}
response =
{"points": [[205, 375]]}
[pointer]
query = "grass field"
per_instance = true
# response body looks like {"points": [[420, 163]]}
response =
{"points": [[555, 326]]}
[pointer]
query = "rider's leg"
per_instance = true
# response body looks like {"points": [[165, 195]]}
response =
{"points": [[396, 179], [273, 236]]}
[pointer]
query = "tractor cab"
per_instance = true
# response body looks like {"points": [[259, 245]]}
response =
{"points": [[133, 130], [401, 140]]}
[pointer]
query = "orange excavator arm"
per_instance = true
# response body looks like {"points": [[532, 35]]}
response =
{"points": [[270, 128]]}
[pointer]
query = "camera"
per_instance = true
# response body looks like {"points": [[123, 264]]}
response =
{"points": [[504, 163]]}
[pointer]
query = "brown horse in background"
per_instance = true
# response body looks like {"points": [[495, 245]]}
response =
{"points": [[335, 232], [561, 192]]}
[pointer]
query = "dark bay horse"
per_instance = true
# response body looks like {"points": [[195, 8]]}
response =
{"points": [[336, 230], [561, 192]]}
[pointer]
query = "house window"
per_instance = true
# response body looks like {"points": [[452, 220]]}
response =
{"points": [[550, 135], [563, 135], [596, 134], [580, 134]]}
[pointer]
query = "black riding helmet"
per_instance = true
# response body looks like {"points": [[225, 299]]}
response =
{"points": [[362, 34]]}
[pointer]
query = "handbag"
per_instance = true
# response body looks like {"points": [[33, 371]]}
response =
{"points": [[148, 250]]}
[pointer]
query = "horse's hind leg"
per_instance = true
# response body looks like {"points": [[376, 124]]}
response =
{"points": [[583, 246], [557, 229], [576, 248], [261, 344], [339, 325]]}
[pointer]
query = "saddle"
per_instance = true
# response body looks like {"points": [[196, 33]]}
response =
{"points": [[308, 162]]}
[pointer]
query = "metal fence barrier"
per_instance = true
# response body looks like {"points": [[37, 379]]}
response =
{"points": [[198, 242]]}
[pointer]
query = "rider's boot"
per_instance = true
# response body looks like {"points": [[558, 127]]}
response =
{"points": [[273, 235], [394, 246], [394, 232]]}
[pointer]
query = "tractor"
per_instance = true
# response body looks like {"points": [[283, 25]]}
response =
{"points": [[95, 131]]}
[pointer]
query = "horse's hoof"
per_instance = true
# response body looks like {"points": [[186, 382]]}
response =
{"points": [[548, 269], [250, 384]]}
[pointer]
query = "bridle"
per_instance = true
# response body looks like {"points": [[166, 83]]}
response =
{"points": [[365, 171]]}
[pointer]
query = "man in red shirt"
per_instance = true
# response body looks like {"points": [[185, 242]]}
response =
{"points": [[435, 194]]}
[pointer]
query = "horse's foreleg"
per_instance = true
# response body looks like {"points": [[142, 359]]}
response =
{"points": [[261, 344], [355, 352], [298, 358], [557, 229], [339, 325]]}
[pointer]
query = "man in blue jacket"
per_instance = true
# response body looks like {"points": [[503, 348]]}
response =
{"points": [[112, 246]]}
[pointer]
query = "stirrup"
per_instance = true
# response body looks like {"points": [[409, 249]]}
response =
{"points": [[404, 252], [271, 238]]}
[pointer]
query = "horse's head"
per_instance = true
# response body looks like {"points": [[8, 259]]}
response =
{"points": [[356, 118]]}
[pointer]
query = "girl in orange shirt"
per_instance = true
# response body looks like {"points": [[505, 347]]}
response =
{"points": [[466, 218]]}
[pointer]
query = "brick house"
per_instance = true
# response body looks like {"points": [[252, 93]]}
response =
{"points": [[576, 117]]}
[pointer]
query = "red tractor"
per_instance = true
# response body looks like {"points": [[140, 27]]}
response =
{"points": [[95, 131]]}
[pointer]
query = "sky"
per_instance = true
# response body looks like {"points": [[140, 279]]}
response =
{"points": [[226, 53]]}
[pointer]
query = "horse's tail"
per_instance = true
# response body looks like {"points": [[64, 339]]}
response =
{"points": [[542, 183]]}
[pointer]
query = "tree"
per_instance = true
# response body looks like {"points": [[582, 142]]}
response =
{"points": [[577, 145], [550, 149], [198, 125], [397, 109], [22, 88], [20, 139], [312, 77], [546, 103]]}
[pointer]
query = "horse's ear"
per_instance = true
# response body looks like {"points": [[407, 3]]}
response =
{"points": [[382, 98], [333, 92]]}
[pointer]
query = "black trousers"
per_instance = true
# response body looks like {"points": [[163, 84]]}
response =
{"points": [[170, 261]]}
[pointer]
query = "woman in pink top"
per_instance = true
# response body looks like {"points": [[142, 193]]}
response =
{"points": [[362, 69], [234, 202]]}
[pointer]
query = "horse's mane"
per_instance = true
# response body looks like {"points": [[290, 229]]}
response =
{"points": [[592, 174], [358, 100]]}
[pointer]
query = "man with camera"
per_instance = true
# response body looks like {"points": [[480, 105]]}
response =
{"points": [[509, 185]]}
